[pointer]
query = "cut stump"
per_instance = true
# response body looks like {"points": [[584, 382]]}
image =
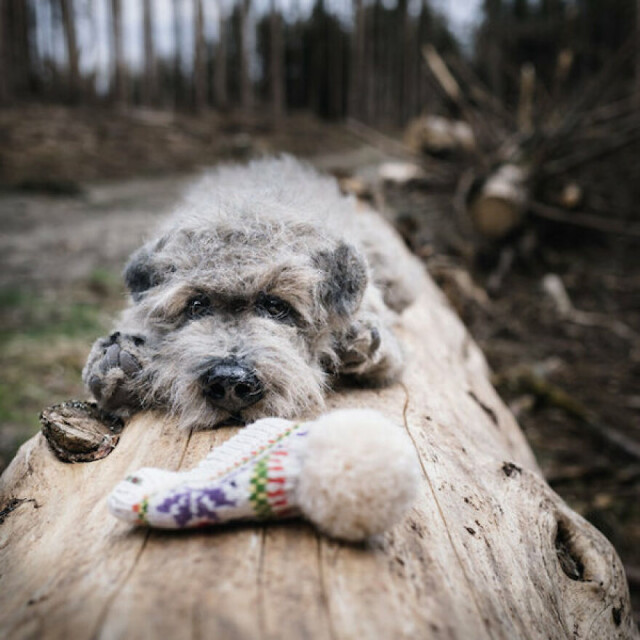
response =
{"points": [[499, 206], [487, 551]]}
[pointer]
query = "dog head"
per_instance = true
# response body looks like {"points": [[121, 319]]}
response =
{"points": [[245, 317]]}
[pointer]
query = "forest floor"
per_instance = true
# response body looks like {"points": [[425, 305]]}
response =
{"points": [[81, 189]]}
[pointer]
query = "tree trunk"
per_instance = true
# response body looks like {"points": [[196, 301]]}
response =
{"points": [[637, 61], [494, 53], [199, 67], [68, 22], [4, 52], [177, 53], [119, 71], [246, 90], [150, 80], [487, 551], [276, 63], [18, 53], [526, 98], [220, 64], [407, 71], [335, 78], [374, 76], [357, 71]]}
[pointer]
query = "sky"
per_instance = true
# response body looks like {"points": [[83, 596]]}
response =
{"points": [[94, 36], [462, 14]]}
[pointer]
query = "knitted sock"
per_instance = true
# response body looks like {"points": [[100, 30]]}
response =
{"points": [[350, 472]]}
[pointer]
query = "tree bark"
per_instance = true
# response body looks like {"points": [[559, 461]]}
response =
{"points": [[487, 551], [199, 67]]}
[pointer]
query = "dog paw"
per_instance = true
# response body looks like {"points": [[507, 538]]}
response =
{"points": [[360, 347], [113, 369]]}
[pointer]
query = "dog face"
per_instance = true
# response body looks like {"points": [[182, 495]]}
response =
{"points": [[243, 321]]}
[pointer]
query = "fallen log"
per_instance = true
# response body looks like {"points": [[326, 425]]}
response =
{"points": [[487, 551], [439, 136]]}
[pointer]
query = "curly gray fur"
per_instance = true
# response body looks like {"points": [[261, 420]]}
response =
{"points": [[274, 230]]}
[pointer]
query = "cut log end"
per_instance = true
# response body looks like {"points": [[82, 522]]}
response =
{"points": [[498, 207], [80, 431], [495, 217]]}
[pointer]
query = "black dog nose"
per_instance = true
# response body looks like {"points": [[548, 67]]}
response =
{"points": [[230, 384]]}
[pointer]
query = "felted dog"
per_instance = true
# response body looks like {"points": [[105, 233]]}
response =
{"points": [[263, 287]]}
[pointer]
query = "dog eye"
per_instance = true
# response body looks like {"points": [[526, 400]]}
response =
{"points": [[197, 306], [274, 307]]}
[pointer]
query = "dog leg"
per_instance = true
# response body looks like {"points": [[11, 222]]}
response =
{"points": [[114, 372], [369, 351]]}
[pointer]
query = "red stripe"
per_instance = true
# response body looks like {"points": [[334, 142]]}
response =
{"points": [[279, 492], [280, 452], [278, 480], [280, 503]]}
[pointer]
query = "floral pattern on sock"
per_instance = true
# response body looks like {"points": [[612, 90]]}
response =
{"points": [[258, 484]]}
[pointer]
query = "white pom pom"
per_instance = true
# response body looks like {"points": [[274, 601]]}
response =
{"points": [[360, 474]]}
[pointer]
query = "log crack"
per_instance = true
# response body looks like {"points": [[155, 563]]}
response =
{"points": [[262, 617], [147, 535], [568, 556], [12, 505], [434, 495], [109, 603], [323, 590], [485, 407]]}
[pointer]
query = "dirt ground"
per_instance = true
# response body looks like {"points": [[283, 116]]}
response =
{"points": [[65, 237]]}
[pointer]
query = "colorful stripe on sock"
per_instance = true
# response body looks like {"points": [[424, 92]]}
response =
{"points": [[258, 495]]}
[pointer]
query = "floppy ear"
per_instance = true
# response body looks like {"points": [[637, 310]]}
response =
{"points": [[142, 272], [345, 278]]}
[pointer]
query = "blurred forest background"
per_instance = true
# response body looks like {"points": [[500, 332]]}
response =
{"points": [[335, 58], [501, 137]]}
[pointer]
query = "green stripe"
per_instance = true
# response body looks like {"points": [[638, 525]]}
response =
{"points": [[258, 495], [144, 509]]}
